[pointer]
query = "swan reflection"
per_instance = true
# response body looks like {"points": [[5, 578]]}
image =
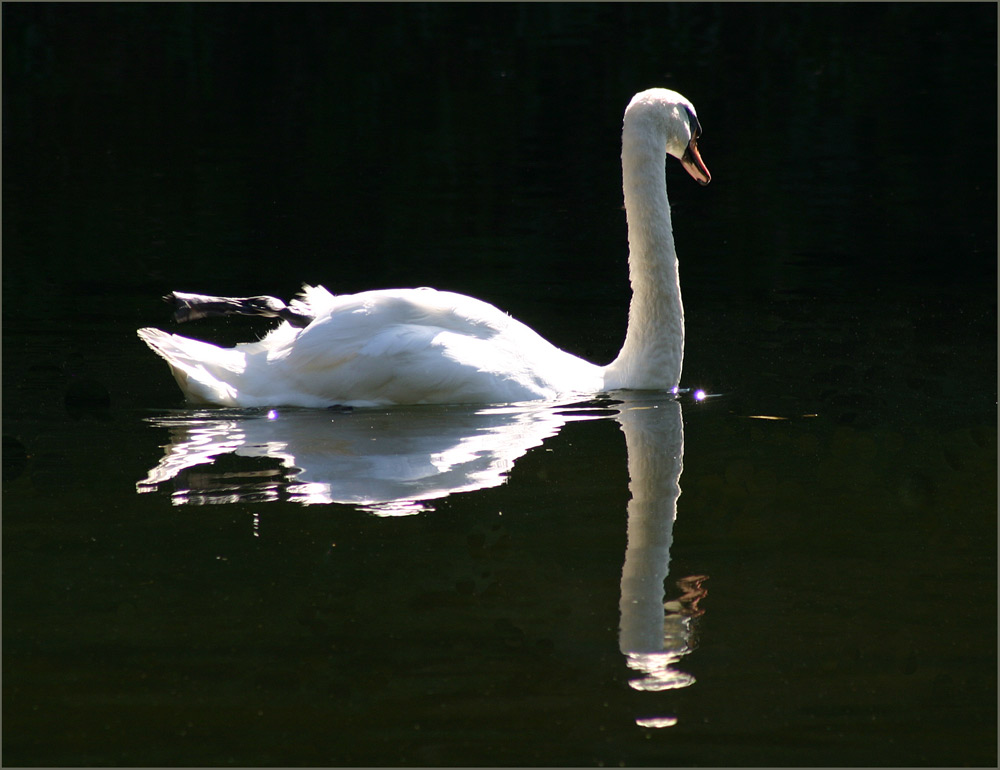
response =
{"points": [[396, 461], [390, 462]]}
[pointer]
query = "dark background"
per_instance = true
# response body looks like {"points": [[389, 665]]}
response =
{"points": [[250, 147], [247, 148], [841, 264]]}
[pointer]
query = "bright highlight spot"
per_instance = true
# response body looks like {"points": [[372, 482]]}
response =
{"points": [[396, 508], [699, 395], [656, 721], [660, 674], [272, 414]]}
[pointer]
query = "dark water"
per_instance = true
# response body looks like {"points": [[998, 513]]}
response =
{"points": [[444, 586]]}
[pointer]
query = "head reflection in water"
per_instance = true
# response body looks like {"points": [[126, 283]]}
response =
{"points": [[679, 638]]}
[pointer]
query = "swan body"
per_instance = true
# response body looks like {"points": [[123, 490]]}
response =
{"points": [[396, 346], [421, 346]]}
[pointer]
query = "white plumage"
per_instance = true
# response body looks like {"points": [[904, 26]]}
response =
{"points": [[399, 346], [415, 346]]}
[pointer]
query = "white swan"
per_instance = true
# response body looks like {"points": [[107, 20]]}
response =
{"points": [[422, 346]]}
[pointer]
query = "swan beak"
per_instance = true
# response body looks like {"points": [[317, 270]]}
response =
{"points": [[694, 164]]}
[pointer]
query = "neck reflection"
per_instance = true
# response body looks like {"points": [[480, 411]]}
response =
{"points": [[655, 634]]}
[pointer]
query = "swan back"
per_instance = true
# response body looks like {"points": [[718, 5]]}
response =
{"points": [[394, 346]]}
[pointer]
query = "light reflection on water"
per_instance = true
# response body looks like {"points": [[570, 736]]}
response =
{"points": [[397, 462]]}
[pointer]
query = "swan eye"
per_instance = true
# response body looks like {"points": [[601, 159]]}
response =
{"points": [[693, 123]]}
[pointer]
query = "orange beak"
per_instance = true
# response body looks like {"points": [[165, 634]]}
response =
{"points": [[694, 164]]}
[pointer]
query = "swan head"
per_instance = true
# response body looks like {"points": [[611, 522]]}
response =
{"points": [[670, 117]]}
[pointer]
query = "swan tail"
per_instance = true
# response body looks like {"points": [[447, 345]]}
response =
{"points": [[206, 373], [313, 301], [191, 307]]}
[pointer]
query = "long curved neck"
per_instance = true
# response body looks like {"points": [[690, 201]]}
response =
{"points": [[653, 352]]}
